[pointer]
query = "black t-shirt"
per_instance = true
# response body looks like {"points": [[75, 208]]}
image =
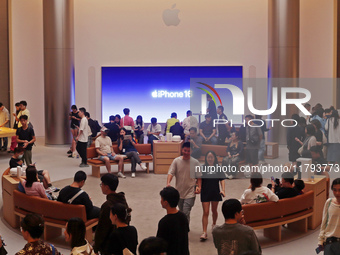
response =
{"points": [[121, 238], [95, 128], [174, 228], [74, 122], [286, 193], [177, 129], [113, 130], [14, 162], [25, 134], [212, 110], [222, 129], [207, 129], [83, 199]]}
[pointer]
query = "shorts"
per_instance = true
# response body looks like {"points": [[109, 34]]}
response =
{"points": [[109, 155]]}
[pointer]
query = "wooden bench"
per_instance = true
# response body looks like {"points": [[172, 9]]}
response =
{"points": [[55, 214], [144, 151], [270, 216]]}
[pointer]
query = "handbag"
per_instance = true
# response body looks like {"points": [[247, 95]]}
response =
{"points": [[301, 149]]}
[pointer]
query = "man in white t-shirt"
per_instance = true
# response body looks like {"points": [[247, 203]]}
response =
{"points": [[183, 168], [105, 152], [82, 137], [189, 122], [153, 130]]}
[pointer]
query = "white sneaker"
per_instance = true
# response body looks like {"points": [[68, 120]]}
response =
{"points": [[143, 166], [133, 175], [121, 175], [230, 177]]}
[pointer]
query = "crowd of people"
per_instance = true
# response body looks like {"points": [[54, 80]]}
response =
{"points": [[316, 136], [114, 234]]}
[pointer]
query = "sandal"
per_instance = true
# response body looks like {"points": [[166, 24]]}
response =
{"points": [[204, 237]]}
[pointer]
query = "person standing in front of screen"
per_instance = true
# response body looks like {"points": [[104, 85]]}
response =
{"points": [[223, 128], [127, 122], [82, 137], [153, 131], [211, 107]]}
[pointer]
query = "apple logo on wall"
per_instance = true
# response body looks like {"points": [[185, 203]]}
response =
{"points": [[170, 16]]}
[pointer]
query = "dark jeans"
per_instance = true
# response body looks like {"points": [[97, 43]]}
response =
{"points": [[82, 150], [332, 249], [151, 139], [4, 142], [134, 159], [221, 139], [94, 213]]}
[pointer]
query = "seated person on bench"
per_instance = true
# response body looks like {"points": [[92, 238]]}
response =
{"points": [[105, 152], [73, 194], [43, 175]]}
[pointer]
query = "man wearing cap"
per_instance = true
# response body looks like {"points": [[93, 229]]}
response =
{"points": [[105, 151]]}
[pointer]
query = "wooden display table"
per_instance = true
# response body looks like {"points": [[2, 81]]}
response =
{"points": [[7, 132], [163, 155], [319, 187], [272, 150], [9, 184]]}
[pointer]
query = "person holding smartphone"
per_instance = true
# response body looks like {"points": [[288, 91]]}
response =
{"points": [[126, 145], [211, 194]]}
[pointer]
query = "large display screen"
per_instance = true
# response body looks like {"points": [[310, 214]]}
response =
{"points": [[156, 91]]}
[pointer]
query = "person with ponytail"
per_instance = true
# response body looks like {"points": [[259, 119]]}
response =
{"points": [[256, 193], [123, 237], [75, 234]]}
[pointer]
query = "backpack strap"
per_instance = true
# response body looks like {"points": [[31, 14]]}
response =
{"points": [[75, 196]]}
